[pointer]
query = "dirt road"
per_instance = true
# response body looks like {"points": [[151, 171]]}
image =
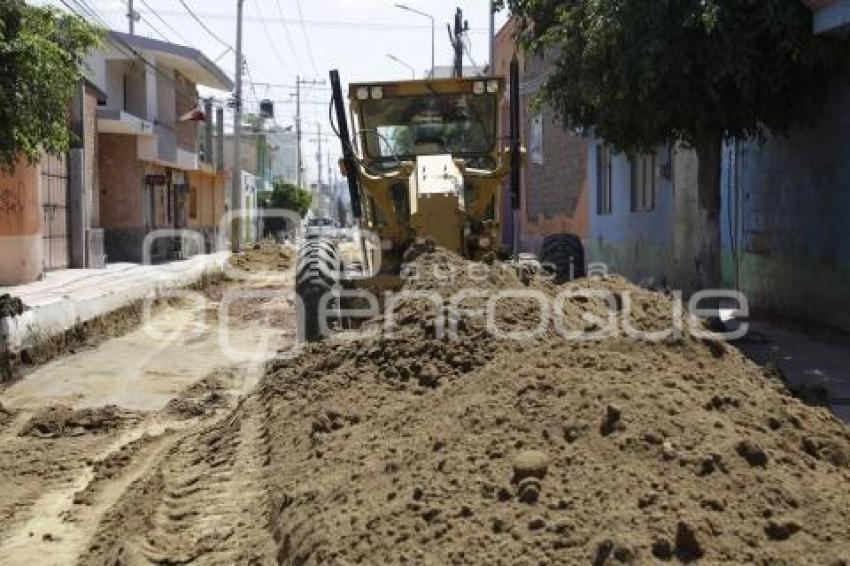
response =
{"points": [[404, 446], [81, 435]]}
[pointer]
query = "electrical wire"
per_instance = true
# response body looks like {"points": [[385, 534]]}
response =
{"points": [[155, 30], [177, 34], [269, 36], [123, 47], [289, 37], [306, 38], [201, 23]]}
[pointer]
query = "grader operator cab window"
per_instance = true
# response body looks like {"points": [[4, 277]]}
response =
{"points": [[462, 125]]}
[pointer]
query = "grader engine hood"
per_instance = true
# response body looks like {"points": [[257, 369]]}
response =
{"points": [[436, 197]]}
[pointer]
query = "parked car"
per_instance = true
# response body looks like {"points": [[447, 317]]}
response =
{"points": [[321, 228]]}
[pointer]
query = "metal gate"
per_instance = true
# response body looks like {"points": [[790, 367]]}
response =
{"points": [[54, 199]]}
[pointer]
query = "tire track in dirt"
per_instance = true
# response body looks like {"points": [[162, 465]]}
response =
{"points": [[206, 502], [64, 526]]}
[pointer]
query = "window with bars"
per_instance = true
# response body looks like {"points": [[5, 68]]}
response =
{"points": [[604, 196], [644, 181]]}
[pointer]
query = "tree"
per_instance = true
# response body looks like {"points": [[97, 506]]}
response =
{"points": [[41, 63], [645, 73], [287, 196]]}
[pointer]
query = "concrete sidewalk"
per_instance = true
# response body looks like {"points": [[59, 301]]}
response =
{"points": [[817, 360], [64, 299]]}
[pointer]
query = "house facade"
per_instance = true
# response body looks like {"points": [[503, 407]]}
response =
{"points": [[157, 167]]}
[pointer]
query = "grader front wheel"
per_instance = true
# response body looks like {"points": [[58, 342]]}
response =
{"points": [[317, 275]]}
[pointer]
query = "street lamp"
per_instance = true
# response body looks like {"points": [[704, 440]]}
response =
{"points": [[400, 62], [430, 17]]}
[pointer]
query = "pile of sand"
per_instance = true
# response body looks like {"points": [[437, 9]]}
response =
{"points": [[264, 256], [411, 448]]}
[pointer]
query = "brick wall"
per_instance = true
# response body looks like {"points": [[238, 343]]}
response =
{"points": [[186, 95], [121, 175], [555, 192]]}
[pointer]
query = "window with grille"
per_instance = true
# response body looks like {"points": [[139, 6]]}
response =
{"points": [[604, 200], [644, 181]]}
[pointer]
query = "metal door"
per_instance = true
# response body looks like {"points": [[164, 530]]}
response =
{"points": [[54, 199]]}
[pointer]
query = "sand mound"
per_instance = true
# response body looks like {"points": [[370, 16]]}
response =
{"points": [[266, 255], [59, 421], [416, 447]]}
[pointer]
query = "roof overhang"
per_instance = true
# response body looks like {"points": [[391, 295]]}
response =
{"points": [[190, 62]]}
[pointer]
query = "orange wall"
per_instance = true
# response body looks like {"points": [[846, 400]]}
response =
{"points": [[20, 202], [21, 244], [210, 199]]}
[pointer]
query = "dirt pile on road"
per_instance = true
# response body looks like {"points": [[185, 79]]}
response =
{"points": [[421, 447], [266, 255], [11, 306], [61, 421]]}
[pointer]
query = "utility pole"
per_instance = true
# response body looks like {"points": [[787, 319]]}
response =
{"points": [[132, 17], [298, 165], [319, 156], [492, 64], [299, 161], [456, 39], [236, 188]]}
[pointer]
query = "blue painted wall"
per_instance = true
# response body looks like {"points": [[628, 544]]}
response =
{"points": [[639, 245], [786, 218]]}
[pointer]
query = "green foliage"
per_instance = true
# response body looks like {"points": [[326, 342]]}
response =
{"points": [[41, 62], [647, 72], [289, 197]]}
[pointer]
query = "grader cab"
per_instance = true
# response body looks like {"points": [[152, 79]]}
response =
{"points": [[424, 162]]}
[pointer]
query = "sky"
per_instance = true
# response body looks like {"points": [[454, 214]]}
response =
{"points": [[285, 39]]}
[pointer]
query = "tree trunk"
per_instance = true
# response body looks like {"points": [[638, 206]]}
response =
{"points": [[709, 149]]}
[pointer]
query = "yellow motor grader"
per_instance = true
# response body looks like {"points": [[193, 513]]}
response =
{"points": [[424, 161]]}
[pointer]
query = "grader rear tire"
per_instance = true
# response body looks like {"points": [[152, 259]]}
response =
{"points": [[563, 256]]}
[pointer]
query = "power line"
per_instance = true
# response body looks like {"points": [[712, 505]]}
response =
{"points": [[269, 36], [306, 38], [177, 34], [324, 23], [83, 6], [122, 46], [289, 37], [201, 23], [155, 30]]}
